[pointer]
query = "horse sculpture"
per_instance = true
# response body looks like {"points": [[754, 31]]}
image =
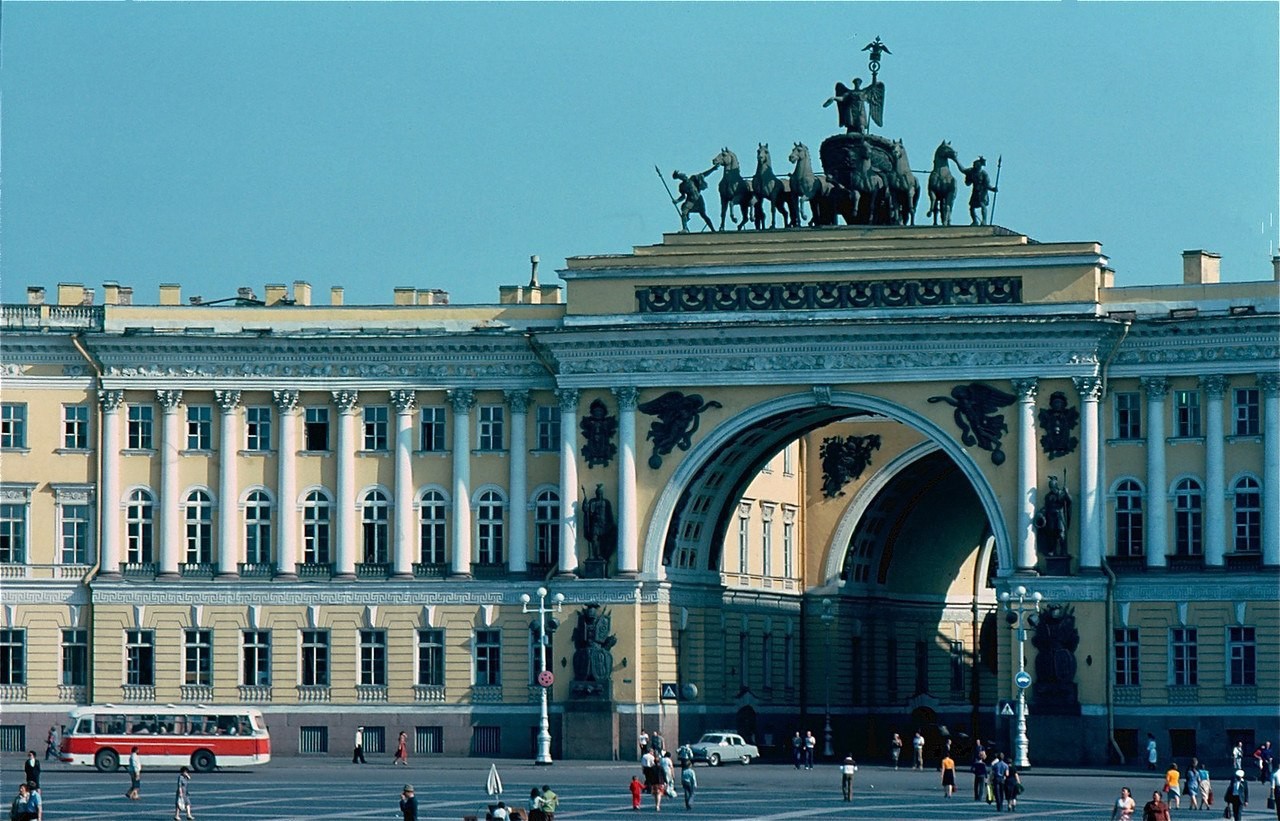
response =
{"points": [[942, 186], [767, 186], [827, 201], [904, 188], [734, 190], [871, 189]]}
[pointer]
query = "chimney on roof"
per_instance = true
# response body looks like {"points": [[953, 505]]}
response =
{"points": [[1200, 267], [335, 295], [70, 293], [35, 295], [533, 274], [1275, 267], [276, 293], [301, 292], [170, 293]]}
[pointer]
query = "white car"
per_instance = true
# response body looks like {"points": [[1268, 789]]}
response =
{"points": [[716, 747]]}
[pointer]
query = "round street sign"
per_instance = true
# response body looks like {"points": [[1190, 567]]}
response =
{"points": [[1022, 679], [546, 678]]}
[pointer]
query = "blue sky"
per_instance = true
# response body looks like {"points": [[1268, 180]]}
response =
{"points": [[439, 145]]}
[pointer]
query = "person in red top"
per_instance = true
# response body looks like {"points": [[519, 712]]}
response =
{"points": [[637, 790], [1155, 809]]}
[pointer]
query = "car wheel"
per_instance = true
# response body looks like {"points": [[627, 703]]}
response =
{"points": [[107, 761], [714, 759], [202, 761], [746, 759]]}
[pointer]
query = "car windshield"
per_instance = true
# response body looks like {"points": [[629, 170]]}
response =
{"points": [[711, 739]]}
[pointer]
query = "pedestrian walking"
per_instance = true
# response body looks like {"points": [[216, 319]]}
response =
{"points": [[1173, 786], [32, 769], [52, 744], [135, 775], [409, 803], [1237, 797], [1155, 809], [999, 772], [1192, 790], [357, 755], [402, 750], [797, 749], [948, 776], [536, 812], [182, 798], [643, 741], [1273, 792], [637, 790], [895, 749], [810, 745], [979, 770], [1206, 788], [1012, 788], [1237, 756], [18, 809], [1265, 756], [1124, 807], [847, 769], [917, 745], [688, 783], [550, 803], [1153, 754], [657, 742]]}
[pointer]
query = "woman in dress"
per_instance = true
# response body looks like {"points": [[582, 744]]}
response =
{"points": [[1125, 805], [1012, 788], [402, 749], [948, 776]]}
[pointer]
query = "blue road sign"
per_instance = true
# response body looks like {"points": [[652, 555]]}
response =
{"points": [[1022, 679]]}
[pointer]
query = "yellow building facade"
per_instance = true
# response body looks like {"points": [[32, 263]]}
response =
{"points": [[827, 454]]}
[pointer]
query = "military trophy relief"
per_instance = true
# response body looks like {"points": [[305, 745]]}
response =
{"points": [[593, 643], [844, 458], [865, 178], [1057, 421]]}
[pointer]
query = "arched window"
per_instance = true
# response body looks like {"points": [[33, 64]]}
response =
{"points": [[1129, 518], [489, 527], [1188, 518], [140, 528], [432, 516], [315, 528], [546, 528], [198, 513], [1247, 495], [257, 528], [376, 516]]}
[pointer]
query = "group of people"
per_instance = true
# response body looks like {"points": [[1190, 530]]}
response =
{"points": [[28, 805], [917, 750], [803, 749], [659, 773], [995, 780], [1194, 783]]}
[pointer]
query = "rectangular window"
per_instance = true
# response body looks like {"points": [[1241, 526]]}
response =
{"points": [[75, 427], [1128, 416], [766, 661], [789, 460], [957, 667], [431, 658], [428, 739], [432, 430], [766, 544], [788, 661], [13, 425], [1184, 663], [1126, 672], [922, 667], [488, 649], [376, 427], [788, 549], [75, 658], [256, 658], [373, 658], [891, 669], [140, 657], [744, 542], [257, 433], [13, 534], [1186, 414], [313, 740], [315, 429], [1242, 657], [198, 651], [13, 656], [548, 424], [141, 427], [490, 429], [315, 659], [744, 661], [199, 427], [1246, 412], [75, 533]]}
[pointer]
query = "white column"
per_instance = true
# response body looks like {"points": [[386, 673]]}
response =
{"points": [[1027, 474], [462, 400], [1270, 384], [287, 485], [229, 536], [346, 513], [405, 402], [628, 535], [1215, 480], [518, 484], [1157, 503], [170, 509], [568, 398], [1090, 388], [109, 501]]}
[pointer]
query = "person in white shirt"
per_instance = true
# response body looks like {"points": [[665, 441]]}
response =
{"points": [[847, 769]]}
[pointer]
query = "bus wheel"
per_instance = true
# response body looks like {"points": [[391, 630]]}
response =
{"points": [[202, 761], [107, 761]]}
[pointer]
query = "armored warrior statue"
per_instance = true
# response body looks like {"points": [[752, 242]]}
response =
{"points": [[690, 200], [976, 176]]}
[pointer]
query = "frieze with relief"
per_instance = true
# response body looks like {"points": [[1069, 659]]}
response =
{"points": [[822, 296]]}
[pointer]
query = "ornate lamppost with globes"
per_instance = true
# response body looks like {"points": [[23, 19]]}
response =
{"points": [[827, 618], [1021, 614], [545, 676]]}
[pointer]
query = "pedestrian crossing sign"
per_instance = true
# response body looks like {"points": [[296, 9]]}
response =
{"points": [[1006, 708], [669, 691]]}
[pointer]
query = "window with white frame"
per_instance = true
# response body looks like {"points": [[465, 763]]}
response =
{"points": [[490, 527], [431, 658], [546, 528], [547, 427], [139, 518], [789, 460], [1188, 518], [141, 427], [198, 513], [1126, 651], [199, 427], [375, 516], [431, 429], [1129, 519], [376, 427], [1246, 412], [197, 649], [1128, 407], [75, 427], [489, 431], [315, 429], [75, 657], [1184, 661], [13, 533], [433, 520], [1242, 656], [13, 656], [13, 425], [766, 537], [257, 428], [255, 658], [1247, 496], [956, 657], [257, 528], [316, 531], [788, 542], [744, 536], [140, 657], [315, 658], [373, 658], [76, 525], [1186, 414], [488, 658]]}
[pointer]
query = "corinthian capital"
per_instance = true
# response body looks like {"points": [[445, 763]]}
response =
{"points": [[518, 401], [462, 400], [227, 400], [169, 400], [1155, 386], [1026, 388], [404, 401], [628, 397], [568, 398], [1090, 387], [1215, 385], [286, 401], [111, 400], [346, 401]]}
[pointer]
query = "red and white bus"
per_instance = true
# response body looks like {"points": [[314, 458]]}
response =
{"points": [[166, 735]]}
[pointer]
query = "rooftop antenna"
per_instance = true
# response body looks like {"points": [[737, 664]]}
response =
{"points": [[533, 273]]}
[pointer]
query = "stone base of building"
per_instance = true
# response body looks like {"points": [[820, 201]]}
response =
{"points": [[591, 730]]}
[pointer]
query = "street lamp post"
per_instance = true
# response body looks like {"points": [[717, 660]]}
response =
{"points": [[1020, 616], [827, 618], [545, 678]]}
